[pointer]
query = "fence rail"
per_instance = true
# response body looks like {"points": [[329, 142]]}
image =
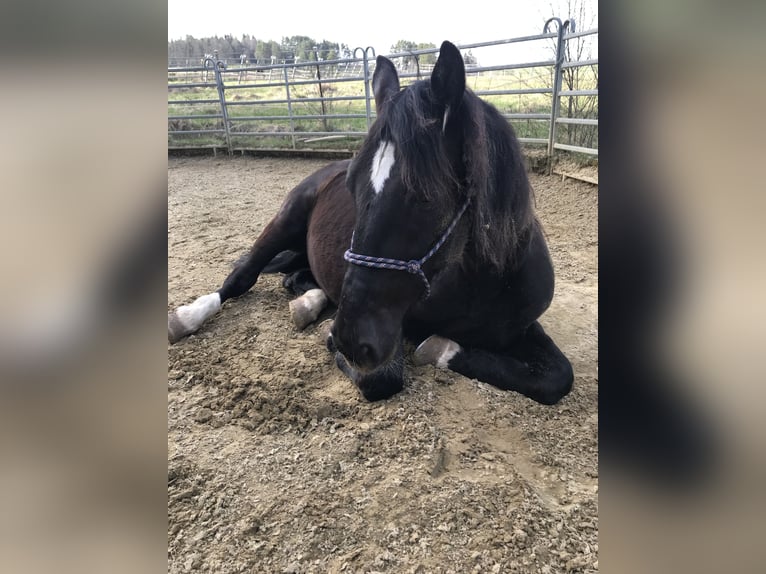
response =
{"points": [[299, 106]]}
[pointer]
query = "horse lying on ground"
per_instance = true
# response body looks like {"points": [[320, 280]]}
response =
{"points": [[427, 234]]}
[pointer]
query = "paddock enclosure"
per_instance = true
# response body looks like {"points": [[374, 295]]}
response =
{"points": [[545, 84], [275, 462]]}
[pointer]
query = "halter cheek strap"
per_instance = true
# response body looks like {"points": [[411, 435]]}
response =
{"points": [[414, 266]]}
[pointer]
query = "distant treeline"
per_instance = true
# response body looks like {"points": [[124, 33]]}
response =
{"points": [[289, 49]]}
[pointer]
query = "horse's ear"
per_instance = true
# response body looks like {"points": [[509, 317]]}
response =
{"points": [[385, 82], [448, 79]]}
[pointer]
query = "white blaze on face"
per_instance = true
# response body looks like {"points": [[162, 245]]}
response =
{"points": [[381, 165]]}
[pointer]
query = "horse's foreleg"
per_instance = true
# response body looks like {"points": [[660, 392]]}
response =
{"points": [[188, 318], [534, 366], [286, 231]]}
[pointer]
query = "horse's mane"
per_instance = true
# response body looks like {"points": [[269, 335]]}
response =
{"points": [[495, 175]]}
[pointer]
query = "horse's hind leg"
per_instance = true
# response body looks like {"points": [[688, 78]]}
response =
{"points": [[534, 366], [287, 231]]}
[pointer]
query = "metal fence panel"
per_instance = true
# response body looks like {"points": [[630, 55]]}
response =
{"points": [[294, 106]]}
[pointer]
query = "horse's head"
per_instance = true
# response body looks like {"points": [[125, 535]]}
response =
{"points": [[408, 182]]}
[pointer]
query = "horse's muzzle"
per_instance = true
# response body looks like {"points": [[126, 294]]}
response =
{"points": [[366, 345], [362, 355]]}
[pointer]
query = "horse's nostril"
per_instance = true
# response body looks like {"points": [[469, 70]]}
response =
{"points": [[360, 353]]}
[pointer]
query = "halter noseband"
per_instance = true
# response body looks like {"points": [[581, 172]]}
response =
{"points": [[414, 266]]}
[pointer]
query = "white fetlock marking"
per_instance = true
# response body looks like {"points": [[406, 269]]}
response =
{"points": [[193, 315], [312, 302], [305, 309], [447, 354], [314, 299]]}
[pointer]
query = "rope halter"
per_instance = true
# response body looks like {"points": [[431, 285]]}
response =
{"points": [[413, 266]]}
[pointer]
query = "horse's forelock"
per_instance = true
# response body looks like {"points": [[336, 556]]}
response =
{"points": [[424, 164]]}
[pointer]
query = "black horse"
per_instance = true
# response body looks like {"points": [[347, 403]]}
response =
{"points": [[429, 233]]}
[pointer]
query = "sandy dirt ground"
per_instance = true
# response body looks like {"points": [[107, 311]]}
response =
{"points": [[276, 463]]}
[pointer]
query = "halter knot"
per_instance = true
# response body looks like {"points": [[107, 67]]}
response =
{"points": [[413, 267]]}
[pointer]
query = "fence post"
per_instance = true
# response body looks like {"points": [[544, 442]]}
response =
{"points": [[557, 76], [222, 98], [416, 57], [321, 91], [289, 104], [366, 65]]}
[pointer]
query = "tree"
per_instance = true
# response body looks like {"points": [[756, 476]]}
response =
{"points": [[275, 50], [427, 59], [230, 47], [405, 46]]}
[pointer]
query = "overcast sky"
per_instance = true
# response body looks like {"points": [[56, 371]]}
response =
{"points": [[379, 24]]}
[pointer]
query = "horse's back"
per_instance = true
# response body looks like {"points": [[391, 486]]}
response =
{"points": [[318, 179]]}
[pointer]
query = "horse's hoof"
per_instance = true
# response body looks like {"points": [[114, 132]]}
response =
{"points": [[305, 309], [436, 351], [176, 329], [300, 313], [189, 318]]}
